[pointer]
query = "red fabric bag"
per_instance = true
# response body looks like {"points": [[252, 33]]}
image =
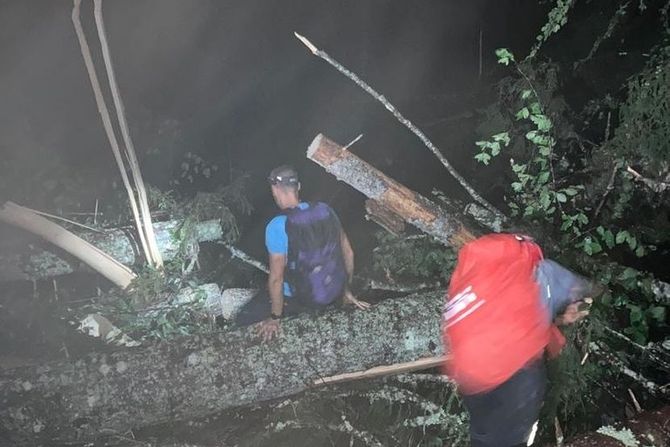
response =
{"points": [[494, 322]]}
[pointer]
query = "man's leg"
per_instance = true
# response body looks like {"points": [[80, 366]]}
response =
{"points": [[505, 416]]}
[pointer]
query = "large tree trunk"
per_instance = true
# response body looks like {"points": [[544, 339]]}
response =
{"points": [[37, 263], [199, 375]]}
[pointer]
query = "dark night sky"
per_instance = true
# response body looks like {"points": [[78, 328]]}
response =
{"points": [[241, 89]]}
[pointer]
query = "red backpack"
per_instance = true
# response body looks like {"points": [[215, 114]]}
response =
{"points": [[494, 322]]}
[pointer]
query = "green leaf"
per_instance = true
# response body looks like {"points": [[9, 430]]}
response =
{"points": [[483, 157], [571, 191], [502, 137], [545, 199], [635, 313], [541, 121], [543, 177], [587, 249], [504, 56], [525, 94], [657, 313], [627, 274], [621, 236], [596, 247], [608, 238], [495, 148], [517, 168], [562, 198], [523, 113]]}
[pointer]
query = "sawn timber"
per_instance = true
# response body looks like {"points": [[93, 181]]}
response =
{"points": [[195, 376]]}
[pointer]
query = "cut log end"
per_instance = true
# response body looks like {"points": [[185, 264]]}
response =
{"points": [[314, 146]]}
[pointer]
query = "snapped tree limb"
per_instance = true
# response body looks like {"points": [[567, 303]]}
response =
{"points": [[404, 121], [93, 256], [34, 262], [447, 227]]}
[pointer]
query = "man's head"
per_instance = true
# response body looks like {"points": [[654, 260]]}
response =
{"points": [[285, 185]]}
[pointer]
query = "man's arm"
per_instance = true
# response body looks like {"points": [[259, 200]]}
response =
{"points": [[348, 256], [276, 282], [269, 328]]}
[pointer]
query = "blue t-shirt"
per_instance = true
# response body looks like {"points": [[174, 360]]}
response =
{"points": [[276, 239]]}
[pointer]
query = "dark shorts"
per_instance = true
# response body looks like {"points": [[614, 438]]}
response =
{"points": [[505, 416], [259, 309]]}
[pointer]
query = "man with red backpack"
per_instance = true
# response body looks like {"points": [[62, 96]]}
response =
{"points": [[310, 258], [503, 306]]}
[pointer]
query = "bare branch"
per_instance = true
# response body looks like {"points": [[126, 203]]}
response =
{"points": [[404, 121]]}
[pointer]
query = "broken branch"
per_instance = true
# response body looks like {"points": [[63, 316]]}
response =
{"points": [[414, 208], [98, 260], [404, 121]]}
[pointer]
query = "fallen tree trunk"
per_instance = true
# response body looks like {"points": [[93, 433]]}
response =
{"points": [[200, 375], [36, 263], [448, 227]]}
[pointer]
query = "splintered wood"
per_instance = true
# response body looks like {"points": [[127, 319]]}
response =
{"points": [[391, 198]]}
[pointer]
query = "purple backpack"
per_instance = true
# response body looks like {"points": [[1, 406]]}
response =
{"points": [[315, 266]]}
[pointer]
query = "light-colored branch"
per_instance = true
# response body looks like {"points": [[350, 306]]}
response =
{"points": [[242, 256], [649, 385], [655, 185], [402, 288], [145, 213], [379, 371], [644, 349], [98, 260], [404, 121], [106, 121], [608, 190], [63, 219]]}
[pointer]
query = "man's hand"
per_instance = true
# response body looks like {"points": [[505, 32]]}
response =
{"points": [[268, 329], [350, 299], [572, 313]]}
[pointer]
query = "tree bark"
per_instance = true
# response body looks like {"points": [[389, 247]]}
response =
{"points": [[200, 375], [36, 263], [449, 227]]}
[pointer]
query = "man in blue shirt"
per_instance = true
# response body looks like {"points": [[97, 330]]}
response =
{"points": [[298, 283]]}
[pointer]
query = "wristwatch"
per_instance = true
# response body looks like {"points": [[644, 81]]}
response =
{"points": [[275, 316]]}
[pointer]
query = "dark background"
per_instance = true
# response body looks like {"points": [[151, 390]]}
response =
{"points": [[228, 81]]}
